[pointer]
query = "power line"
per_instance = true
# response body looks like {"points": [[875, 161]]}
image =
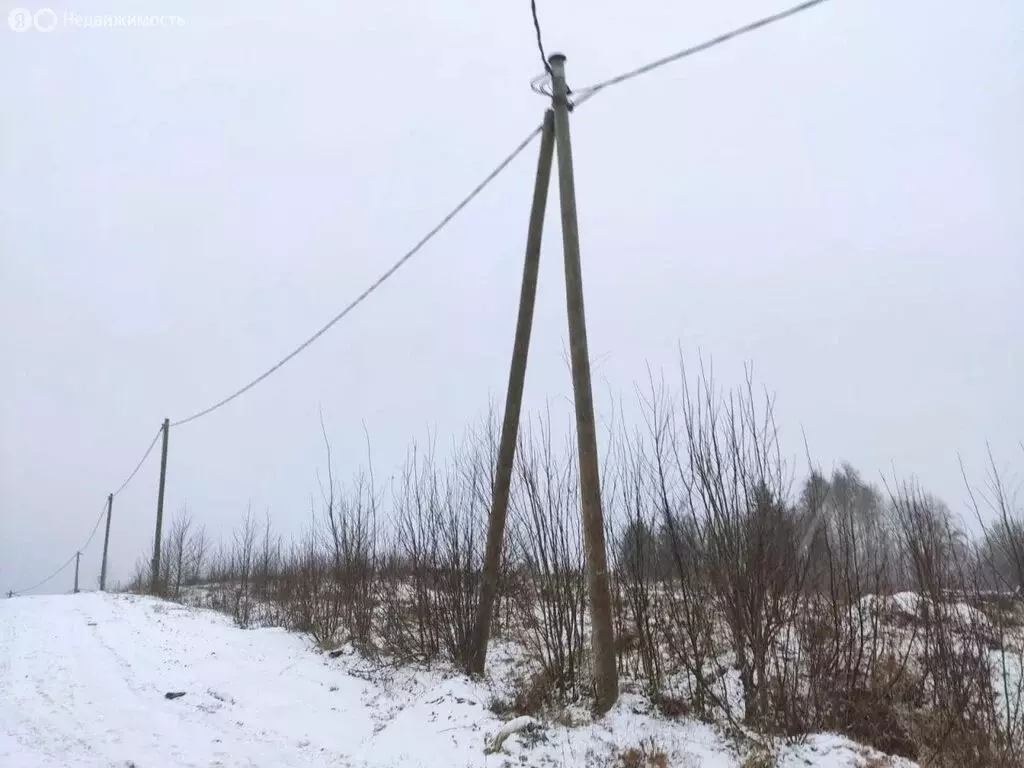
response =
{"points": [[94, 529], [48, 578], [99, 519], [593, 90], [585, 94], [540, 41], [66, 564], [352, 305], [141, 462], [375, 285], [79, 550]]}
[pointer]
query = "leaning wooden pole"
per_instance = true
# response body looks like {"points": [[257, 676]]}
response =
{"points": [[513, 401], [602, 638]]}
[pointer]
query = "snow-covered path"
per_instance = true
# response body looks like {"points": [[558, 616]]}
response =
{"points": [[83, 678]]}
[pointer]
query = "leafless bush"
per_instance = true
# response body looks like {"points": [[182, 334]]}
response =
{"points": [[838, 608], [857, 680], [736, 489], [1000, 564], [349, 524], [141, 576], [434, 563], [409, 633], [961, 718], [183, 555], [175, 552], [304, 591], [242, 566], [641, 569], [267, 564], [546, 548], [462, 518]]}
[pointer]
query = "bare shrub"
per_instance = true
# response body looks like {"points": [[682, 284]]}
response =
{"points": [[183, 554], [760, 757], [961, 716], [838, 608], [1000, 570], [645, 755], [639, 572], [350, 529], [736, 489], [546, 548], [857, 677], [680, 607], [433, 566], [242, 565], [175, 550], [532, 694], [141, 576], [267, 562], [408, 632], [308, 602], [461, 517]]}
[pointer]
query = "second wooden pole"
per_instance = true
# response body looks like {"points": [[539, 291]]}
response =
{"points": [[513, 401]]}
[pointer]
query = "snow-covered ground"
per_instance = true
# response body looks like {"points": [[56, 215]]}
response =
{"points": [[83, 680]]}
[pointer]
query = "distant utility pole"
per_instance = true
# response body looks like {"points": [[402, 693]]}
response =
{"points": [[155, 576], [602, 638], [78, 557], [106, 543], [513, 400]]}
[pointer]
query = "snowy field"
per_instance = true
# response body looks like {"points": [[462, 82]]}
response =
{"points": [[84, 678]]}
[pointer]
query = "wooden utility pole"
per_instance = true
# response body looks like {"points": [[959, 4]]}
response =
{"points": [[602, 639], [155, 582], [106, 543], [78, 557], [513, 400]]}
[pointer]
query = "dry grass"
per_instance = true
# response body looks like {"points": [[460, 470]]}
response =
{"points": [[760, 757], [645, 755]]}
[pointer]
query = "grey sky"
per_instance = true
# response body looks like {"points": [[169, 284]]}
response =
{"points": [[837, 199]]}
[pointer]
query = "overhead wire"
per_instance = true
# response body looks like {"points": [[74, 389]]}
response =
{"points": [[99, 519], [47, 579], [540, 40], [78, 551], [95, 528], [584, 94], [141, 462], [374, 286], [333, 321]]}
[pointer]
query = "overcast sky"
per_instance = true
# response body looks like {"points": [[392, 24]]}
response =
{"points": [[838, 199]]}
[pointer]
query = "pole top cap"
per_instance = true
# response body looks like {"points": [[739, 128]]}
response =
{"points": [[556, 57]]}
